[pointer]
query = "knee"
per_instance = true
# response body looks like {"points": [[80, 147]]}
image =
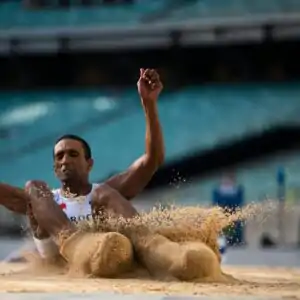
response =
{"points": [[35, 184], [103, 194], [106, 198], [36, 188]]}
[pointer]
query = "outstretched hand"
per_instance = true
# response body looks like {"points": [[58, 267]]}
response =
{"points": [[149, 85]]}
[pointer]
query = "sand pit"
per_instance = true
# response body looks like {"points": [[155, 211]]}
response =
{"points": [[256, 281], [179, 225]]}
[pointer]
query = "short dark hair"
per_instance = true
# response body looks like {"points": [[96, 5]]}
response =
{"points": [[85, 144]]}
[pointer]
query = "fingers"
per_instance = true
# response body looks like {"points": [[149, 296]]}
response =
{"points": [[151, 77]]}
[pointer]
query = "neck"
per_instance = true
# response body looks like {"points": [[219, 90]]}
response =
{"points": [[78, 188]]}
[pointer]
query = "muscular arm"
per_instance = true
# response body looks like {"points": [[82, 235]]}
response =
{"points": [[13, 198], [134, 180]]}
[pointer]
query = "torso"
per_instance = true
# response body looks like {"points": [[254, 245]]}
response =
{"points": [[76, 209]]}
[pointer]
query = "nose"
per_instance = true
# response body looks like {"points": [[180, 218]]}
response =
{"points": [[66, 159]]}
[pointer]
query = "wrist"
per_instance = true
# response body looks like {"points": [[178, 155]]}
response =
{"points": [[149, 104]]}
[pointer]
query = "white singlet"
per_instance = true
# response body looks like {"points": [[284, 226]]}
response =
{"points": [[76, 209]]}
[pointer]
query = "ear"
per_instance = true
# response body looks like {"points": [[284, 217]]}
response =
{"points": [[90, 164]]}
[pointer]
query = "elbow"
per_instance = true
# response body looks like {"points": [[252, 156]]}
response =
{"points": [[160, 159], [154, 162], [154, 159]]}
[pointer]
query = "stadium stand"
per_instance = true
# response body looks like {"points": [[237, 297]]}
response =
{"points": [[231, 8], [193, 118], [14, 14]]}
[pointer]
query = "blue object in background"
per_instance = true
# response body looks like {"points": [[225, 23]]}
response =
{"points": [[281, 184], [281, 190], [230, 200], [280, 176]]}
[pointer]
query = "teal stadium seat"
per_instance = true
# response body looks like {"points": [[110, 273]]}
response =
{"points": [[230, 8], [192, 118], [14, 15]]}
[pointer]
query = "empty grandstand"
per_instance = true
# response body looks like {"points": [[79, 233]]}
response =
{"points": [[51, 27], [230, 70]]}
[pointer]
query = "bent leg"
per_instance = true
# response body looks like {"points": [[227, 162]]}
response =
{"points": [[184, 261], [107, 199], [188, 261], [86, 253], [156, 252], [47, 223], [47, 213]]}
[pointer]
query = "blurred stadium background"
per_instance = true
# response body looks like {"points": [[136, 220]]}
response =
{"points": [[231, 101]]}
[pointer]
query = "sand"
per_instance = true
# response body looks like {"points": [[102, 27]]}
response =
{"points": [[181, 225], [258, 281]]}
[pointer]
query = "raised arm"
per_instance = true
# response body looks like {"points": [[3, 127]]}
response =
{"points": [[134, 180]]}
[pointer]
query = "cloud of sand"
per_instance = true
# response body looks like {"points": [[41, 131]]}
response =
{"points": [[178, 223], [183, 223]]}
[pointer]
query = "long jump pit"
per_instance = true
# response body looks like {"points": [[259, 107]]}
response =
{"points": [[20, 280], [255, 282]]}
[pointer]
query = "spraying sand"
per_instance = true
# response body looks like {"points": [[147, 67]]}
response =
{"points": [[193, 232]]}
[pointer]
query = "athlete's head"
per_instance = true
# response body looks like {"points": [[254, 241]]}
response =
{"points": [[72, 159]]}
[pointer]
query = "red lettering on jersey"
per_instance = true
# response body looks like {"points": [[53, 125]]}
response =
{"points": [[63, 206]]}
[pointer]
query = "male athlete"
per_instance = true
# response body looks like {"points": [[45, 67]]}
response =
{"points": [[50, 212]]}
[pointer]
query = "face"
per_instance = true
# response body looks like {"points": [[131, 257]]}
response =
{"points": [[70, 163]]}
